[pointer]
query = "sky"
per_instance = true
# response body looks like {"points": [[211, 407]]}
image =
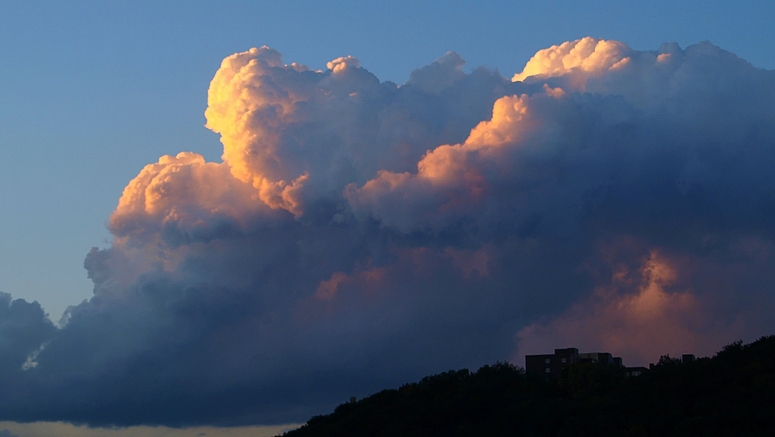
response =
{"points": [[374, 218]]}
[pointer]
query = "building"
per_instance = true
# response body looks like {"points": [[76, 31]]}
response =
{"points": [[635, 371], [551, 367], [602, 358]]}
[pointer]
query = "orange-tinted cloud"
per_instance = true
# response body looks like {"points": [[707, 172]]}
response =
{"points": [[582, 58], [185, 190], [639, 322], [359, 234]]}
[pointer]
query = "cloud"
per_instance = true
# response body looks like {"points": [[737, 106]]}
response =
{"points": [[299, 135], [359, 234], [582, 59], [24, 329], [440, 74], [639, 314]]}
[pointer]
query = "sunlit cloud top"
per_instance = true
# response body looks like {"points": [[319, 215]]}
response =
{"points": [[358, 234]]}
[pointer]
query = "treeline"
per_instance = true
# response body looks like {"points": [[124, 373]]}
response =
{"points": [[732, 393]]}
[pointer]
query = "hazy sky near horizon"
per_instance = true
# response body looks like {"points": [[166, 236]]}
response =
{"points": [[93, 92], [60, 429]]}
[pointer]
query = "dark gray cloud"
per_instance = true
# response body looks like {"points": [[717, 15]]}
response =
{"points": [[24, 329], [360, 234]]}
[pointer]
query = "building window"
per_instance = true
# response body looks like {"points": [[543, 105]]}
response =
{"points": [[548, 370], [547, 361], [564, 360]]}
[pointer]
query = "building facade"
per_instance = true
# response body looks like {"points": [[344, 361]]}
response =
{"points": [[552, 366]]}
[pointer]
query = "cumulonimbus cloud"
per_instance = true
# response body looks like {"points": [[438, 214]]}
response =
{"points": [[359, 234]]}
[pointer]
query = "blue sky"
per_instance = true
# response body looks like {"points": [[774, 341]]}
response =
{"points": [[91, 92]]}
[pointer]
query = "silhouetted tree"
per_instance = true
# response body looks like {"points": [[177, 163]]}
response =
{"points": [[732, 393]]}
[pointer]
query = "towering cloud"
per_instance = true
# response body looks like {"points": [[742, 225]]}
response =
{"points": [[359, 234], [580, 59]]}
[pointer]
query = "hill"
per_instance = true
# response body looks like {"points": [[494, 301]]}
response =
{"points": [[731, 393]]}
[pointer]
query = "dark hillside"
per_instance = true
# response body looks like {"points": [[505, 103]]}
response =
{"points": [[732, 393]]}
